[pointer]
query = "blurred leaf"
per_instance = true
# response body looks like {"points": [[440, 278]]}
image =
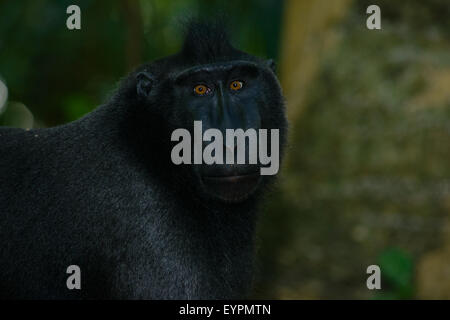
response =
{"points": [[397, 274], [77, 106], [396, 266], [3, 95], [17, 115]]}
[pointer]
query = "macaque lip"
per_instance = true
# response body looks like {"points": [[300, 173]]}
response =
{"points": [[231, 188]]}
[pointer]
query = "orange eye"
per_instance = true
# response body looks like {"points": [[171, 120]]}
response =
{"points": [[201, 89], [236, 85]]}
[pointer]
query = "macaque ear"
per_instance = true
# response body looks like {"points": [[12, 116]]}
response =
{"points": [[271, 65], [144, 83]]}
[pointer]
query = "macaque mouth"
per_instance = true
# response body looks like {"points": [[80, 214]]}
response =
{"points": [[231, 188]]}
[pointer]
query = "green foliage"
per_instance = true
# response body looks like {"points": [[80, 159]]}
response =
{"points": [[76, 106], [44, 64], [16, 115], [368, 161], [397, 274]]}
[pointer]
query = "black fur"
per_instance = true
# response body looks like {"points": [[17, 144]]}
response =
{"points": [[102, 193]]}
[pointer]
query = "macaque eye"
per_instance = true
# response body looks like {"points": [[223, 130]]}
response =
{"points": [[201, 89], [236, 85]]}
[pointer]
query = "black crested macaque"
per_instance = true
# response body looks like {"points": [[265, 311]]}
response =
{"points": [[103, 192]]}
